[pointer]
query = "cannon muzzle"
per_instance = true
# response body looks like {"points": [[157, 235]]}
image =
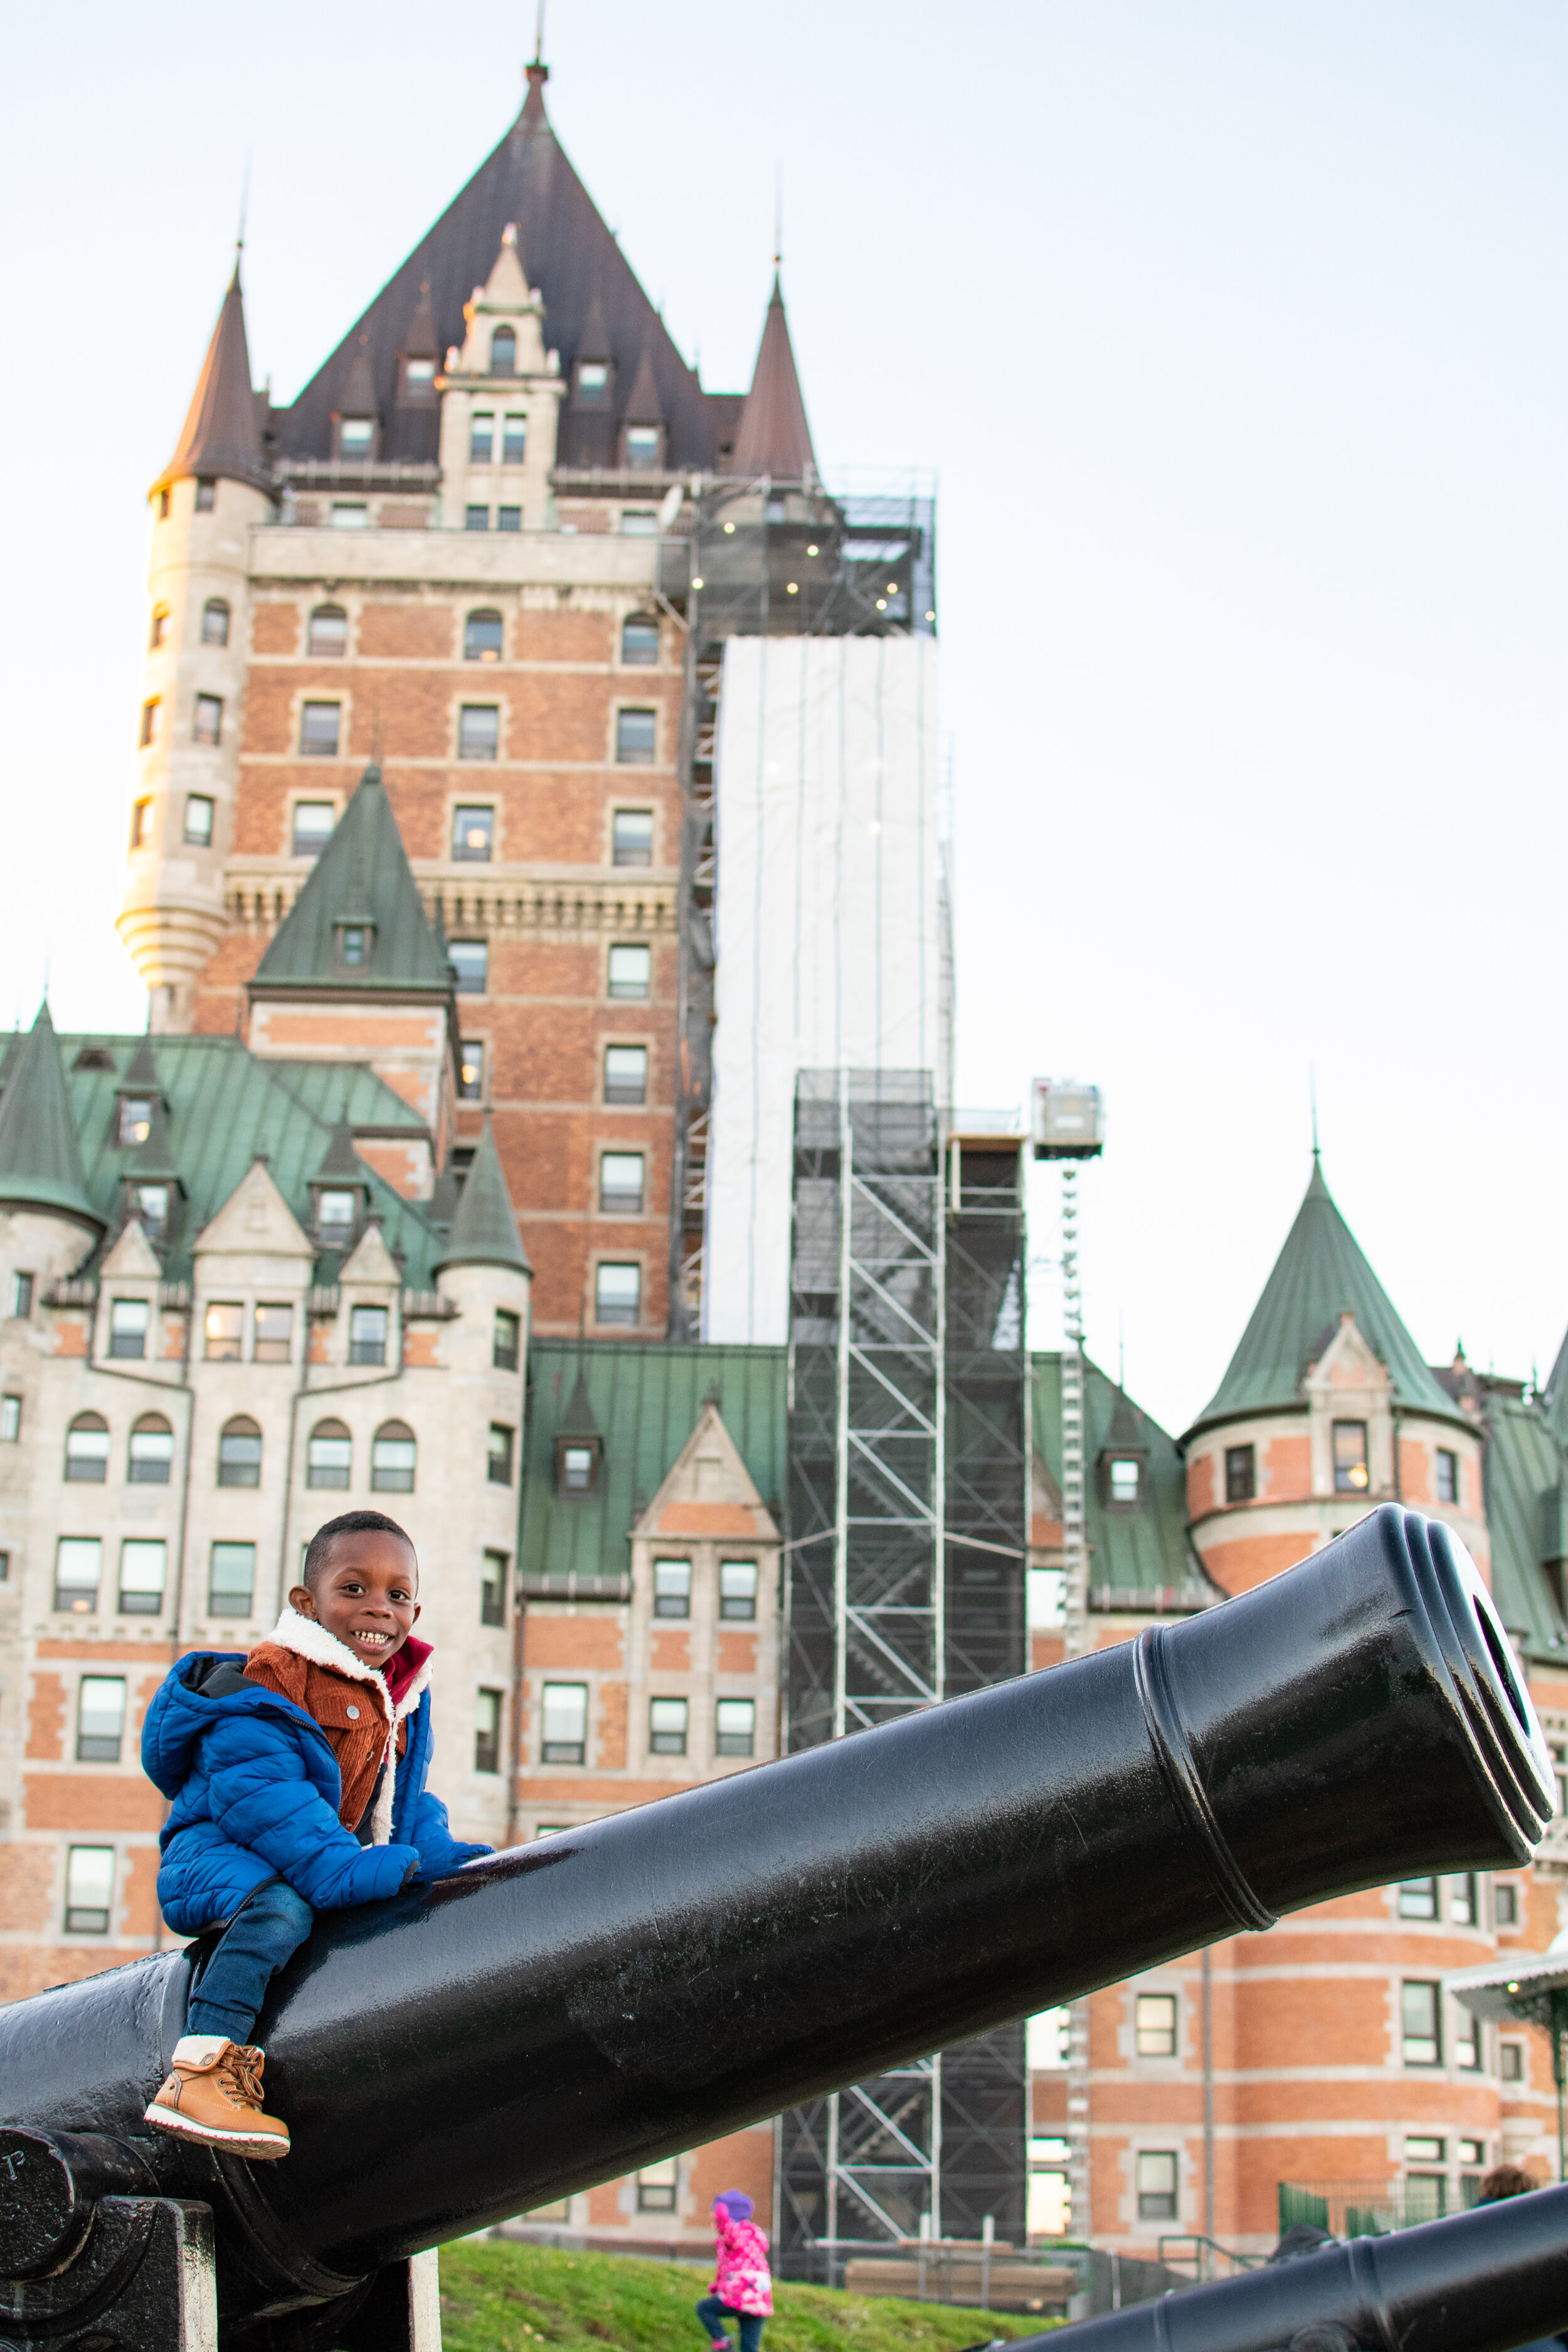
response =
{"points": [[578, 2008]]}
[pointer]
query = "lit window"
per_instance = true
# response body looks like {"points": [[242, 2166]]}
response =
{"points": [[86, 1451], [1154, 2024], [355, 435], [478, 732], [473, 833], [658, 2185], [486, 1731], [159, 633], [639, 642], [1156, 2173], [1240, 1473], [471, 1070], [514, 440], [509, 518], [638, 522], [506, 1342], [10, 1420], [564, 1710], [632, 837], [198, 821], [470, 962], [1350, 1457], [735, 1727], [672, 1588], [635, 738], [79, 1563], [22, 1295], [666, 1727], [329, 1455], [239, 1453], [578, 1464], [642, 448], [206, 498], [1124, 1481], [101, 1718], [1418, 2019], [1419, 1898], [621, 1183], [135, 1119], [393, 1453], [492, 1589], [1505, 1900], [625, 1074], [498, 1454], [1510, 2060], [141, 824], [215, 622], [368, 1335], [320, 724], [128, 1322], [231, 1579], [1463, 1908], [328, 637], [475, 518], [142, 1565], [481, 437], [630, 972], [593, 383], [152, 1451], [225, 1329], [1447, 1475], [152, 722], [89, 1889], [503, 351], [617, 1294], [208, 723], [350, 515], [738, 1588], [313, 825], [483, 638], [336, 1214]]}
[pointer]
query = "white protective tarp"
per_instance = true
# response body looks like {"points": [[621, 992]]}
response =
{"points": [[829, 924]]}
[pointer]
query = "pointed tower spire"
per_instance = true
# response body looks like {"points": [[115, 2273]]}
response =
{"points": [[361, 883], [774, 436], [223, 428], [484, 1231], [40, 1154]]}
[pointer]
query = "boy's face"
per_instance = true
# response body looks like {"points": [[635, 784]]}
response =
{"points": [[364, 1596]]}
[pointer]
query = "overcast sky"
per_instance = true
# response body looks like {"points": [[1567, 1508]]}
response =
{"points": [[1235, 335]]}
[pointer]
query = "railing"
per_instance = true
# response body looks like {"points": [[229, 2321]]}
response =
{"points": [[1192, 2246], [1371, 2208]]}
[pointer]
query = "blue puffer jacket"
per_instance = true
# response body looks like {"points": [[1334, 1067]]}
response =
{"points": [[256, 1790]]}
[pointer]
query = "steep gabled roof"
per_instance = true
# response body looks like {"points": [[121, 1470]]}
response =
{"points": [[222, 427], [1318, 1274], [1139, 1551], [362, 876], [774, 436], [1524, 1471], [40, 1158], [484, 1230]]}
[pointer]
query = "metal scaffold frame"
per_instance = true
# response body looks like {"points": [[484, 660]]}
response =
{"points": [[1076, 1642]]}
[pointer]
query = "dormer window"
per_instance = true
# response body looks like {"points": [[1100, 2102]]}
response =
{"points": [[1125, 1479], [1122, 1473], [593, 383], [337, 1212], [135, 1119], [215, 622], [151, 1206], [642, 448], [418, 382], [356, 436], [503, 351], [576, 1465], [356, 943]]}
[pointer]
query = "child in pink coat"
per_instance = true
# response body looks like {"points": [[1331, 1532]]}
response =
{"points": [[743, 2289]]}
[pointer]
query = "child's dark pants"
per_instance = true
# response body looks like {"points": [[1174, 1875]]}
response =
{"points": [[267, 1930], [713, 2314]]}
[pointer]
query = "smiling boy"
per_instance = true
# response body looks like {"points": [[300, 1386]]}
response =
{"points": [[297, 1777]]}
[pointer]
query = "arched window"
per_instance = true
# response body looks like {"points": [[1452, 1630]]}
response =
{"points": [[329, 1457], [215, 622], [503, 351], [329, 634], [239, 1453], [86, 1450], [392, 1456], [482, 637], [639, 641], [151, 1451]]}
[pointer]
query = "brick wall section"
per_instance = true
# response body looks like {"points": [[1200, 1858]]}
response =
{"points": [[47, 1718]]}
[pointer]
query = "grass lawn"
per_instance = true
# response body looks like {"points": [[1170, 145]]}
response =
{"points": [[498, 2297]]}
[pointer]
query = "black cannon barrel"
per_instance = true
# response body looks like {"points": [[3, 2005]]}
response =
{"points": [[580, 2008], [1483, 2282]]}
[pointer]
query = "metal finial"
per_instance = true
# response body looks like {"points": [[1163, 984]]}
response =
{"points": [[778, 215], [539, 34], [1312, 1095]]}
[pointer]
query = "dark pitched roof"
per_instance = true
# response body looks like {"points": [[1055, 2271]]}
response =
{"points": [[222, 427], [571, 259], [484, 1230], [642, 401], [140, 1071], [340, 1163], [774, 436], [362, 876], [41, 1157], [578, 1421], [1318, 1274], [359, 391]]}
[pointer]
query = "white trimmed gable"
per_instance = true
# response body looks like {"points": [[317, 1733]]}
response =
{"points": [[133, 1258], [709, 1491], [255, 1222]]}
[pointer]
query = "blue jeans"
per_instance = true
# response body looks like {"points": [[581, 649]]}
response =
{"points": [[266, 1931], [713, 2314]]}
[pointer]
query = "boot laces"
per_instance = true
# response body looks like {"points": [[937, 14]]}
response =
{"points": [[239, 2070]]}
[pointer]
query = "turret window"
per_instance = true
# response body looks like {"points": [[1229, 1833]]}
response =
{"points": [[198, 821], [469, 960], [87, 1451], [482, 637], [503, 351], [159, 633], [1351, 1476], [328, 636], [1240, 1473], [321, 726], [492, 1589], [392, 1454], [1447, 1475], [636, 736], [632, 837], [313, 825], [481, 437], [478, 732], [642, 448], [1421, 2040], [239, 1453], [162, 509], [329, 1460], [141, 824], [208, 724], [152, 722], [206, 498], [368, 1335], [514, 441], [639, 642], [152, 1453], [471, 1070], [22, 1295], [215, 622], [152, 1205], [473, 833], [498, 1458], [506, 1347]]}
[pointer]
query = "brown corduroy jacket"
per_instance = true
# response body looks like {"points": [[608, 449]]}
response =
{"points": [[353, 1714]]}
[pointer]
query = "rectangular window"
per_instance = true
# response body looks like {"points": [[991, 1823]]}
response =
{"points": [[635, 738], [153, 1208], [1510, 2060], [419, 380], [355, 435], [239, 1454], [565, 1722], [478, 731], [1156, 2171], [639, 643], [87, 1451], [630, 972], [1154, 2024], [1240, 1473], [101, 1718], [198, 821], [79, 1561], [514, 440], [128, 1321], [498, 1458], [632, 837], [393, 1460], [617, 1294], [215, 622], [10, 1420], [470, 962], [330, 1456], [225, 1329], [1350, 1457], [208, 723], [625, 1074], [638, 522], [658, 2185], [486, 1731], [738, 1589], [481, 437], [1447, 1475], [471, 1070], [642, 448], [231, 1583], [1421, 2043], [274, 1335], [206, 498], [313, 824], [321, 726], [593, 383], [621, 1183], [89, 1889], [1505, 1905], [666, 1727], [152, 723], [143, 1567], [22, 1295], [335, 1214], [577, 1465], [367, 1334], [735, 1727], [509, 518], [1123, 1481], [350, 514], [492, 1589], [152, 1453], [672, 1588], [1467, 2040], [1419, 1898], [506, 1342], [1462, 1902], [475, 518], [474, 833], [141, 824]]}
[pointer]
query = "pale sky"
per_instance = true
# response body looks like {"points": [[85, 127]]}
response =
{"points": [[1235, 335]]}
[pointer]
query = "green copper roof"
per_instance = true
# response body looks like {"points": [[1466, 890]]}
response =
{"points": [[41, 1157], [484, 1230], [362, 878], [1523, 1472], [1141, 1549], [1320, 1272]]}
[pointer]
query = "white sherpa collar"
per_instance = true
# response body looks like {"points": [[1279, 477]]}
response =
{"points": [[309, 1639]]}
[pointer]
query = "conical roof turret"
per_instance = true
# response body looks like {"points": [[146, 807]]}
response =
{"points": [[484, 1231], [363, 877], [222, 427], [774, 436], [40, 1154]]}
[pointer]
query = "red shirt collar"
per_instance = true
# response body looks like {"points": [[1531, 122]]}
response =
{"points": [[402, 1666]]}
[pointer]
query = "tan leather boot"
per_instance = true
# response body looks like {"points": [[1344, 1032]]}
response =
{"points": [[214, 2095]]}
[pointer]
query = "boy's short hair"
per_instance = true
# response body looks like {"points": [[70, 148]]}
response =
{"points": [[348, 1523]]}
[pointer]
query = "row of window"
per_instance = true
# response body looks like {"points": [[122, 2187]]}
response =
{"points": [[214, 624], [632, 522], [484, 636], [564, 1724], [231, 1567], [478, 732], [628, 978], [207, 721], [206, 500], [329, 1453], [1421, 1898], [672, 1585], [1350, 1463], [272, 1324]]}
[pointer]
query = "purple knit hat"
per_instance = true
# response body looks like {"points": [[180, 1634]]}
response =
{"points": [[737, 2204]]}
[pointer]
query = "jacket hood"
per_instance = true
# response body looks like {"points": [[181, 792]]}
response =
{"points": [[182, 1711]]}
